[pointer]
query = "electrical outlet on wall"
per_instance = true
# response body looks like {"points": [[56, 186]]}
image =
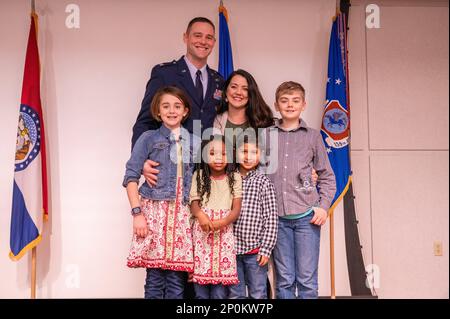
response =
{"points": [[438, 248]]}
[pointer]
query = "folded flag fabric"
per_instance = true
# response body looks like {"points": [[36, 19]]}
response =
{"points": [[29, 204]]}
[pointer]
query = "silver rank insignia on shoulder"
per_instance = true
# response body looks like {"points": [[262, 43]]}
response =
{"points": [[168, 63]]}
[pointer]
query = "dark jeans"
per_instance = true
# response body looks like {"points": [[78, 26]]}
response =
{"points": [[252, 275], [211, 291], [164, 284]]}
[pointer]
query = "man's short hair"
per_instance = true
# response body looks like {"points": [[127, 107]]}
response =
{"points": [[199, 19]]}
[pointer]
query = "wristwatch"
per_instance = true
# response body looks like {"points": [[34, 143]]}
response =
{"points": [[135, 211]]}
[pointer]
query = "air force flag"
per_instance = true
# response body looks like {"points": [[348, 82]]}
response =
{"points": [[336, 116]]}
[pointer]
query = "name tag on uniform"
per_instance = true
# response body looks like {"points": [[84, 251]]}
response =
{"points": [[218, 94]]}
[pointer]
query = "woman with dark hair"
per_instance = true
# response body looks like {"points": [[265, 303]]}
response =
{"points": [[242, 111], [242, 105]]}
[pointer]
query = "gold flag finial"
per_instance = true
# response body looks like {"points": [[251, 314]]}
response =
{"points": [[223, 10]]}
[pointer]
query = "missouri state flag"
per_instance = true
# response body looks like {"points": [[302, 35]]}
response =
{"points": [[29, 203], [336, 115]]}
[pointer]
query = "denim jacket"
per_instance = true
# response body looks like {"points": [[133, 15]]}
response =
{"points": [[159, 146]]}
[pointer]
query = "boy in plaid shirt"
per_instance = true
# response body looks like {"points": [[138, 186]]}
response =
{"points": [[256, 229]]}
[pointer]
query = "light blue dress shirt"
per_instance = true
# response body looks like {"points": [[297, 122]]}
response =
{"points": [[193, 71]]}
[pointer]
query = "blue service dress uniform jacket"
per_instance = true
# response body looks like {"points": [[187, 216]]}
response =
{"points": [[176, 73]]}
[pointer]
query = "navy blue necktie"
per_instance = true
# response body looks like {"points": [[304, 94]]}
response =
{"points": [[199, 86]]}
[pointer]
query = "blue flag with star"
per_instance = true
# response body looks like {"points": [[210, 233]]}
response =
{"points": [[336, 115]]}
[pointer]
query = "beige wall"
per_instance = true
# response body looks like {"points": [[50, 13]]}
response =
{"points": [[400, 104], [93, 82]]}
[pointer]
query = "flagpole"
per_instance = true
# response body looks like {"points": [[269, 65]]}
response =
{"points": [[331, 216], [332, 274], [33, 273]]}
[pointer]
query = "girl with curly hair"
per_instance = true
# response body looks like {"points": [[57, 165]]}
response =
{"points": [[215, 197]]}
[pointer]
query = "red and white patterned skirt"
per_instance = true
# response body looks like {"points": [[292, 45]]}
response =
{"points": [[214, 253], [168, 244]]}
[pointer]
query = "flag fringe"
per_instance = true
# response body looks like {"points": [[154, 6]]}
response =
{"points": [[25, 249], [338, 200]]}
